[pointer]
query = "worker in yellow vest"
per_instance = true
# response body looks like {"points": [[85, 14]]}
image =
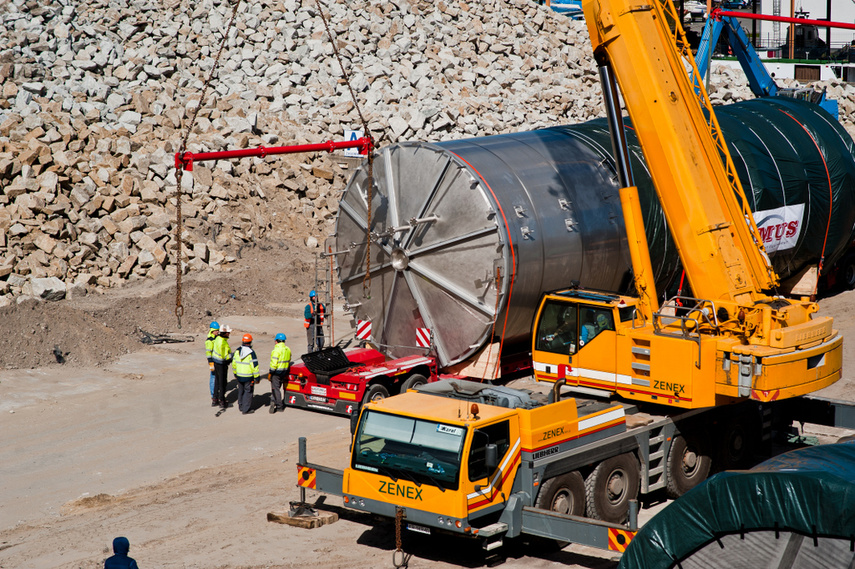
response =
{"points": [[222, 356], [314, 322], [245, 366], [213, 331], [280, 365]]}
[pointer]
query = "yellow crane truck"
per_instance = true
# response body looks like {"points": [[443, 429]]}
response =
{"points": [[491, 462], [717, 373]]}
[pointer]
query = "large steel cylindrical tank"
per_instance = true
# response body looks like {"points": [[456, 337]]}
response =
{"points": [[466, 235]]}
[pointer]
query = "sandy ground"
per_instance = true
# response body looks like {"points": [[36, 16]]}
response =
{"points": [[132, 447]]}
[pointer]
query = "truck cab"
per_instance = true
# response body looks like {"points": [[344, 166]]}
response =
{"points": [[454, 454]]}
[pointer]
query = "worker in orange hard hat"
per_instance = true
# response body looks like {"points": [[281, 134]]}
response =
{"points": [[245, 365]]}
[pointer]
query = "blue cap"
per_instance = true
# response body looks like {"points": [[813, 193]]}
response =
{"points": [[312, 294], [280, 337], [215, 325]]}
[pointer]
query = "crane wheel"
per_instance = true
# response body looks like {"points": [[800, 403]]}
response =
{"points": [[413, 381], [688, 465], [564, 494], [375, 392], [610, 487]]}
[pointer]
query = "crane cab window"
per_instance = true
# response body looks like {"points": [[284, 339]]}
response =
{"points": [[499, 435], [595, 321], [557, 329]]}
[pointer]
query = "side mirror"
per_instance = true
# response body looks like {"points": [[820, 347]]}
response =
{"points": [[354, 420], [491, 457]]}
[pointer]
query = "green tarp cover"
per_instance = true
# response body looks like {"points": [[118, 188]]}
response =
{"points": [[810, 491]]}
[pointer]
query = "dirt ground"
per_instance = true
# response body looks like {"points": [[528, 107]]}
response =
{"points": [[121, 439]]}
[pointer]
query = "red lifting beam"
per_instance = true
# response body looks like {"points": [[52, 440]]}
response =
{"points": [[718, 13], [185, 160]]}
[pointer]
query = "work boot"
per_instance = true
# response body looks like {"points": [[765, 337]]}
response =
{"points": [[272, 409], [214, 402]]}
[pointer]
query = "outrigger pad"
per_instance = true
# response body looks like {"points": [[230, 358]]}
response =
{"points": [[328, 361]]}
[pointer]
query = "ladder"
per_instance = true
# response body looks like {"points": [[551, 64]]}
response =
{"points": [[323, 288]]}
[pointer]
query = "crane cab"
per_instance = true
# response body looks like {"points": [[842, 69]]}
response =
{"points": [[576, 336]]}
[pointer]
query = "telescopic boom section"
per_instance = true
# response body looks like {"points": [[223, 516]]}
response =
{"points": [[719, 245]]}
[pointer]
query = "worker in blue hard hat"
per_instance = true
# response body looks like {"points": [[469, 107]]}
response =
{"points": [[213, 331], [314, 323], [222, 358], [280, 365]]}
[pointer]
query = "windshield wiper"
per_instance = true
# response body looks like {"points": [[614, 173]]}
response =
{"points": [[436, 482]]}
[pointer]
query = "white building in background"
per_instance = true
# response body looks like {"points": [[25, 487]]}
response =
{"points": [[841, 11]]}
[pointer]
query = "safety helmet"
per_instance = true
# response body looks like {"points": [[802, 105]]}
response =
{"points": [[280, 337], [215, 325], [247, 338], [312, 294], [225, 330]]}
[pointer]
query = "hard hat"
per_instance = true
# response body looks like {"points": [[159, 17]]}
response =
{"points": [[247, 338], [312, 294], [215, 325], [225, 329], [280, 337]]}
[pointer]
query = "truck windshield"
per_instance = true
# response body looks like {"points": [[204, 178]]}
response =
{"points": [[424, 452]]}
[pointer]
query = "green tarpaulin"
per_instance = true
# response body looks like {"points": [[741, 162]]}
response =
{"points": [[795, 510]]}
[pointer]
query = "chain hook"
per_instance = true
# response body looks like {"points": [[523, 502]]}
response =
{"points": [[399, 551]]}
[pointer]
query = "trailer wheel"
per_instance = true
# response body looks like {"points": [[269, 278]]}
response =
{"points": [[375, 392], [847, 270], [610, 487], [564, 494], [413, 381], [688, 465]]}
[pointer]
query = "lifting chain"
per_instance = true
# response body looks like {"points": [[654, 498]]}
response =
{"points": [[179, 239], [399, 551], [366, 282]]}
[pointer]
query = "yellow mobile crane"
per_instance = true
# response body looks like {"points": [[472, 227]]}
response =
{"points": [[735, 339], [490, 462]]}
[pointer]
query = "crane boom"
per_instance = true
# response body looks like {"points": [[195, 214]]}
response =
{"points": [[694, 176], [732, 339]]}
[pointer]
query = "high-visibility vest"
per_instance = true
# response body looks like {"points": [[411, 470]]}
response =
{"points": [[209, 345], [280, 358], [245, 363], [310, 314], [221, 353]]}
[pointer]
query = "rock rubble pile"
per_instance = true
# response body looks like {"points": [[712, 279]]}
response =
{"points": [[97, 96]]}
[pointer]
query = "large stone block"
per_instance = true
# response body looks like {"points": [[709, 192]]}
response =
{"points": [[50, 288]]}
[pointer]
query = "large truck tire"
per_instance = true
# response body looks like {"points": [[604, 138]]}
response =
{"points": [[413, 381], [688, 465], [610, 487], [847, 272], [564, 494], [375, 392]]}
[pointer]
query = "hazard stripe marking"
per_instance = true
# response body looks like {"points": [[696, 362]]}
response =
{"points": [[619, 539], [306, 477]]}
